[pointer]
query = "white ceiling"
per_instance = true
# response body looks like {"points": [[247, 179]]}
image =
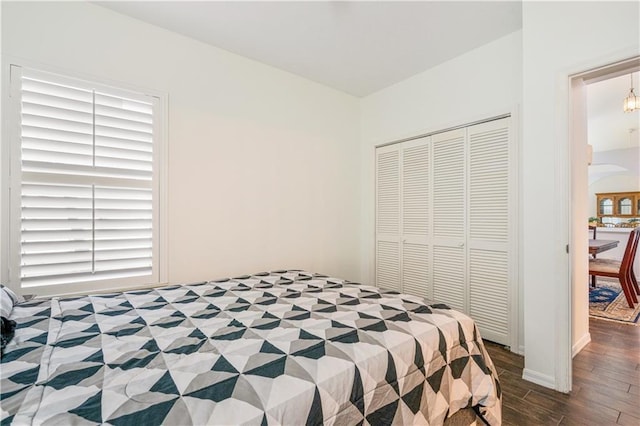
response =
{"points": [[360, 47], [609, 127], [356, 47], [613, 133]]}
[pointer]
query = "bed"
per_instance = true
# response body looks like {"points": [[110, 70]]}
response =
{"points": [[284, 347]]}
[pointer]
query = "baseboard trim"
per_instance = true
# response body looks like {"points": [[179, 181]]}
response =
{"points": [[539, 378], [580, 344]]}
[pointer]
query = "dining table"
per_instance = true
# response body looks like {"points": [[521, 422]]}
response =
{"points": [[598, 246]]}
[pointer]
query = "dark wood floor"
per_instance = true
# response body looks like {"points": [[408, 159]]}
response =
{"points": [[606, 383]]}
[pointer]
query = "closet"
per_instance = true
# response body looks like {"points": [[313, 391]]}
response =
{"points": [[445, 222]]}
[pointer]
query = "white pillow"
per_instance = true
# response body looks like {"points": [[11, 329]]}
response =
{"points": [[7, 300]]}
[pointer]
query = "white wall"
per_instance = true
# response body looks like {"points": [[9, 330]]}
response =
{"points": [[475, 85], [559, 39], [263, 166], [480, 84]]}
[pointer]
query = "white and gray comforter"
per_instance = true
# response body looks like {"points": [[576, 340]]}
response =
{"points": [[286, 347]]}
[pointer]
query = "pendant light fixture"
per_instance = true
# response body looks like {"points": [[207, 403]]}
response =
{"points": [[631, 102]]}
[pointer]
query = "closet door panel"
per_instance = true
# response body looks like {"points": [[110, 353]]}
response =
{"points": [[415, 188], [388, 265], [416, 279], [488, 285], [449, 185], [388, 262], [489, 181], [388, 192], [448, 188], [489, 190], [449, 277]]}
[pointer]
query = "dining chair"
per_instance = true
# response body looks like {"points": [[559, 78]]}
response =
{"points": [[623, 270], [593, 277], [632, 274]]}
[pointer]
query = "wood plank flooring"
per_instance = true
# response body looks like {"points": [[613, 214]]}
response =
{"points": [[606, 383]]}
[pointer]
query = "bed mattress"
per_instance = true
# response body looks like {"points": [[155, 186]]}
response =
{"points": [[286, 347]]}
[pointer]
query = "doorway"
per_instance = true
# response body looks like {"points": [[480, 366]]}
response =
{"points": [[581, 207]]}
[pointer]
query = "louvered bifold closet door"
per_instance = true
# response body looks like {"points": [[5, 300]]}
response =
{"points": [[415, 274], [489, 224], [448, 189], [388, 218]]}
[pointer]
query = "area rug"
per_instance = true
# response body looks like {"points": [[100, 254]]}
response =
{"points": [[607, 301]]}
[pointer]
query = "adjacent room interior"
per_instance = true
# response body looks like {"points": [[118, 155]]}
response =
{"points": [[613, 182]]}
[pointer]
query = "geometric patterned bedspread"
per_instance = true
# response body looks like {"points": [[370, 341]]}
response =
{"points": [[287, 347]]}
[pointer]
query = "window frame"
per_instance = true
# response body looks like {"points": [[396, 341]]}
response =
{"points": [[12, 213]]}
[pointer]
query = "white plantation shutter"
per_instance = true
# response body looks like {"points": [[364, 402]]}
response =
{"points": [[124, 136], [123, 230], [56, 125], [88, 186], [56, 231]]}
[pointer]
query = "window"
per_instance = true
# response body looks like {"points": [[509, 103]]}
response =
{"points": [[84, 184], [606, 206], [625, 206]]}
